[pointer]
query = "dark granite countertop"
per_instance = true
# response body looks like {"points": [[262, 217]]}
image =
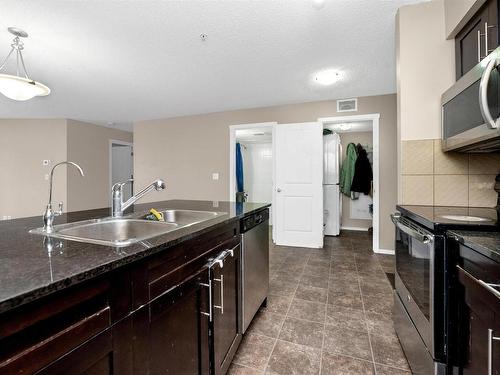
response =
{"points": [[486, 243], [29, 270], [434, 217]]}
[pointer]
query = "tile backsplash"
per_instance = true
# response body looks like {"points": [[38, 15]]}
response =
{"points": [[433, 177]]}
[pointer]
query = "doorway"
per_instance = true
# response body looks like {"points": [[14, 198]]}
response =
{"points": [[255, 142], [121, 159], [361, 213]]}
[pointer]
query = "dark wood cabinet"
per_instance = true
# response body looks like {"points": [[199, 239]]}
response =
{"points": [[480, 331], [227, 309], [477, 39], [155, 316], [178, 328]]}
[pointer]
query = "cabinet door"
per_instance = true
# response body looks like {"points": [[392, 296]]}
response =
{"points": [[227, 309], [178, 329], [481, 321], [477, 39]]}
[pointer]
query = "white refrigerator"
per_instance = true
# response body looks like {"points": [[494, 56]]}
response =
{"points": [[332, 199]]}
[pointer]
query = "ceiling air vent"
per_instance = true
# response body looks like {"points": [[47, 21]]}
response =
{"points": [[347, 105]]}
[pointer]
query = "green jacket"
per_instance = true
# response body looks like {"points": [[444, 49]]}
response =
{"points": [[347, 171]]}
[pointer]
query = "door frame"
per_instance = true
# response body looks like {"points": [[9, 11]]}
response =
{"points": [[110, 152], [374, 118]]}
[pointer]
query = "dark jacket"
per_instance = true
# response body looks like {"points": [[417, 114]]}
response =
{"points": [[363, 175]]}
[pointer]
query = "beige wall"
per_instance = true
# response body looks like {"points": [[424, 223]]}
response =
{"points": [[365, 138], [457, 13], [425, 68], [186, 150], [24, 184], [88, 145]]}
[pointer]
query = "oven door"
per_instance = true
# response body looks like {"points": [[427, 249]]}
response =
{"points": [[415, 275], [470, 108]]}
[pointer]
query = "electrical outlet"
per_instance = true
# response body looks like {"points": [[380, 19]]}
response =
{"points": [[215, 204], [215, 176], [46, 177]]}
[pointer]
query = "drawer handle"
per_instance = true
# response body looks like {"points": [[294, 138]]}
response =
{"points": [[491, 338], [209, 313], [221, 307], [490, 288]]}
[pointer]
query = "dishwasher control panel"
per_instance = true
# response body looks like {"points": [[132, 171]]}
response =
{"points": [[250, 221]]}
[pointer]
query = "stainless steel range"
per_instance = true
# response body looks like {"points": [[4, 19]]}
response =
{"points": [[421, 284]]}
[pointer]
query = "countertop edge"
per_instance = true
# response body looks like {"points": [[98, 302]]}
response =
{"points": [[45, 290]]}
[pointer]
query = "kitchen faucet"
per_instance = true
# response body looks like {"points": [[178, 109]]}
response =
{"points": [[49, 214], [118, 206]]}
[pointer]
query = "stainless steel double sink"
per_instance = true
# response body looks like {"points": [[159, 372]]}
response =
{"points": [[127, 230]]}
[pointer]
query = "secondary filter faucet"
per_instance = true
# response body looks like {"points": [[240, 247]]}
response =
{"points": [[50, 214], [118, 206]]}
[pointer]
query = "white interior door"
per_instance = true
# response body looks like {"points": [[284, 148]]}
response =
{"points": [[298, 186], [122, 167]]}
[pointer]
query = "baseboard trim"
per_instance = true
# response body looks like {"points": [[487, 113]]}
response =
{"points": [[355, 228], [384, 251]]}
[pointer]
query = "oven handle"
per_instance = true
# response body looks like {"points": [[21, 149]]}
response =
{"points": [[483, 94], [410, 231]]}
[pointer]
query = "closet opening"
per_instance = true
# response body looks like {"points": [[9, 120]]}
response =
{"points": [[350, 175]]}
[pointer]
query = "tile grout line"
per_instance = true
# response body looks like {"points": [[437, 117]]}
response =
{"points": [[326, 313], [366, 324], [283, 323]]}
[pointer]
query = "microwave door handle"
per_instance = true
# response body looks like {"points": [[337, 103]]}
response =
{"points": [[483, 94], [410, 231]]}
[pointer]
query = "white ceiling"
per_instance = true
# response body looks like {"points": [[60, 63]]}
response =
{"points": [[123, 61]]}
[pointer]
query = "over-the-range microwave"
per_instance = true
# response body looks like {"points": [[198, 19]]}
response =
{"points": [[471, 109]]}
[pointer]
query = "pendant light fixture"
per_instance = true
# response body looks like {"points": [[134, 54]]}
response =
{"points": [[19, 87]]}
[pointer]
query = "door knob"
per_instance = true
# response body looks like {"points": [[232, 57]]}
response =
{"points": [[278, 190]]}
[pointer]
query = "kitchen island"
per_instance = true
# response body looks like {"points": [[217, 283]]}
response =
{"points": [[151, 307]]}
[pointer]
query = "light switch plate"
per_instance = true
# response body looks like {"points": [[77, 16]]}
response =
{"points": [[215, 176]]}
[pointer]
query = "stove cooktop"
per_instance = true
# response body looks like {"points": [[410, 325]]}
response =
{"points": [[441, 217]]}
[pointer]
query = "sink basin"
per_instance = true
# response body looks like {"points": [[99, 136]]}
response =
{"points": [[465, 218], [126, 230], [112, 232], [187, 217]]}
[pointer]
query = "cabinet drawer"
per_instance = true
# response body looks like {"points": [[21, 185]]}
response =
{"points": [[480, 266], [157, 275], [30, 342], [176, 275], [480, 341]]}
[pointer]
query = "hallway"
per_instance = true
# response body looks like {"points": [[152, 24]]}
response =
{"points": [[329, 312]]}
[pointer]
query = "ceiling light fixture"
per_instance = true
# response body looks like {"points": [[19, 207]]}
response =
{"points": [[318, 4], [345, 126], [327, 77], [17, 87]]}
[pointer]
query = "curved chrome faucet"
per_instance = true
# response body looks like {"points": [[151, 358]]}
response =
{"points": [[49, 214], [118, 206]]}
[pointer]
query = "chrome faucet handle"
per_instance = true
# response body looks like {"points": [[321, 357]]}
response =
{"points": [[119, 185], [60, 211]]}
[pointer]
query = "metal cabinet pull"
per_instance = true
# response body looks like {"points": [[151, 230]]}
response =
{"points": [[221, 281], [209, 313], [479, 46], [487, 50], [231, 252], [491, 338]]}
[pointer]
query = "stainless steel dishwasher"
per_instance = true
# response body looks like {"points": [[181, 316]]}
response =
{"points": [[254, 265]]}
